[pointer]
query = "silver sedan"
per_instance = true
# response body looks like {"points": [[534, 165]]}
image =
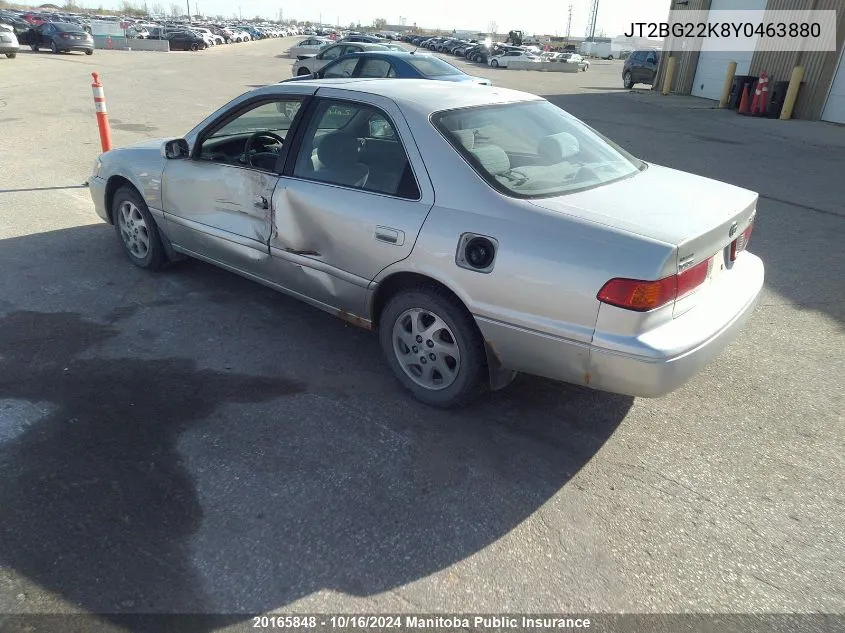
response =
{"points": [[481, 232]]}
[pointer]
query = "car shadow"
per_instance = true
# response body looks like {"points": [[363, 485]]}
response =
{"points": [[191, 442], [800, 228]]}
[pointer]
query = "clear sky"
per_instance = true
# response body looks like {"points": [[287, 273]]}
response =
{"points": [[533, 16]]}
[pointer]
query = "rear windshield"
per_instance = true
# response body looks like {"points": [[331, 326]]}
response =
{"points": [[67, 28], [534, 149], [431, 66]]}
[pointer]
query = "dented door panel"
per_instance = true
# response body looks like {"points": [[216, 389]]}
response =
{"points": [[222, 211]]}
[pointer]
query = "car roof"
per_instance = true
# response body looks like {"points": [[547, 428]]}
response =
{"points": [[422, 96]]}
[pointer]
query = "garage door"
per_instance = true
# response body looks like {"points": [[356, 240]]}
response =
{"points": [[712, 65], [834, 109]]}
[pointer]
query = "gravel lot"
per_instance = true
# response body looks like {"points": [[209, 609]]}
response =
{"points": [[191, 441]]}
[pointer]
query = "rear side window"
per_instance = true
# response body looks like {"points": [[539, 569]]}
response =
{"points": [[376, 68], [431, 66], [365, 153]]}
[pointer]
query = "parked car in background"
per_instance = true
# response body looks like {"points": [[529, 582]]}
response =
{"points": [[59, 37], [393, 65], [640, 67], [210, 37], [9, 45], [368, 39], [186, 41], [310, 46], [479, 232], [506, 58], [307, 64]]}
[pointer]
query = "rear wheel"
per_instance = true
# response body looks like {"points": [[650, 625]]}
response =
{"points": [[628, 80], [137, 230], [89, 52], [495, 63], [54, 48], [11, 55], [195, 47], [433, 346], [34, 47]]}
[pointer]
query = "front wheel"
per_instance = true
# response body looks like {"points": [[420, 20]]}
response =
{"points": [[494, 63], [54, 48], [195, 47], [89, 52], [11, 55], [34, 47], [137, 230], [433, 346], [628, 80]]}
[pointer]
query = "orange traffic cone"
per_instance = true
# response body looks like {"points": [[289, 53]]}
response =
{"points": [[763, 91], [743, 103]]}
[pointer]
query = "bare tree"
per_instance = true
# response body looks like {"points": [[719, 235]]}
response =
{"points": [[158, 8], [175, 9], [379, 24]]}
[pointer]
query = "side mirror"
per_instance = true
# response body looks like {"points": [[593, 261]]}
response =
{"points": [[176, 148]]}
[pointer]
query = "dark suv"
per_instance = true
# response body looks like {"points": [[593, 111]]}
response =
{"points": [[640, 68]]}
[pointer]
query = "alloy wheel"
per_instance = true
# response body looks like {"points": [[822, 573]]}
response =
{"points": [[426, 349], [134, 230]]}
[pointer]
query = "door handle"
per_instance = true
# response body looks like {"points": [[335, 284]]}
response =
{"points": [[261, 201], [391, 236]]}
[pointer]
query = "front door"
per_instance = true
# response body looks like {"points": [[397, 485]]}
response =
{"points": [[353, 199], [218, 203]]}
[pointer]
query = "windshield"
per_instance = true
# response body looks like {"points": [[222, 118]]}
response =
{"points": [[534, 149], [433, 66]]}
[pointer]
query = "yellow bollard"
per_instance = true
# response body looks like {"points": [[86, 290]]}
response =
{"points": [[670, 75], [726, 89], [792, 93]]}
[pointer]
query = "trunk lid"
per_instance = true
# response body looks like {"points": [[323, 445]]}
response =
{"points": [[700, 216]]}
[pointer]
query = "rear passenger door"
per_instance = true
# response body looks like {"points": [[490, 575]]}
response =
{"points": [[353, 197]]}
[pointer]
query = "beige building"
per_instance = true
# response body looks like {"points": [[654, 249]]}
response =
{"points": [[702, 73]]}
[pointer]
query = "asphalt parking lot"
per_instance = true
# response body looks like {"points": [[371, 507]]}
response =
{"points": [[191, 441]]}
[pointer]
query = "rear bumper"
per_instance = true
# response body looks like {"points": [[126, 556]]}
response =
{"points": [[650, 364], [661, 360], [8, 48]]}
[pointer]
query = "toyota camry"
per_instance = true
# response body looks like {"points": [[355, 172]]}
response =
{"points": [[479, 231]]}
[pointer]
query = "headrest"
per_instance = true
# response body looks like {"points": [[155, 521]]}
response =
{"points": [[493, 158], [465, 137], [556, 148], [338, 150]]}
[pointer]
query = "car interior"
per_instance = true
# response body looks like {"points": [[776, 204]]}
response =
{"points": [[539, 155], [356, 146]]}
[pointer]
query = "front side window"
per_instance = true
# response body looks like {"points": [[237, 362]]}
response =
{"points": [[534, 149], [342, 68], [253, 139], [355, 145], [331, 53], [376, 68]]}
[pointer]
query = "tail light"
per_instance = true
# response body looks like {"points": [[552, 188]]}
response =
{"points": [[642, 296], [741, 243], [64, 36]]}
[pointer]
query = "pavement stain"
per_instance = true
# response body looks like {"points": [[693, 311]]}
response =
{"points": [[96, 504]]}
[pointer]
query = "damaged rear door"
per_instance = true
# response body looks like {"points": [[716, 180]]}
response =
{"points": [[352, 200]]}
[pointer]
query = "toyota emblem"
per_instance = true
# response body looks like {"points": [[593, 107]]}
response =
{"points": [[733, 230]]}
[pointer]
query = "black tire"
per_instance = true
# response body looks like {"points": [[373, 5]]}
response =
{"points": [[494, 63], [11, 55], [54, 48], [155, 258], [472, 376], [627, 80], [34, 47], [303, 71], [89, 52], [195, 47]]}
